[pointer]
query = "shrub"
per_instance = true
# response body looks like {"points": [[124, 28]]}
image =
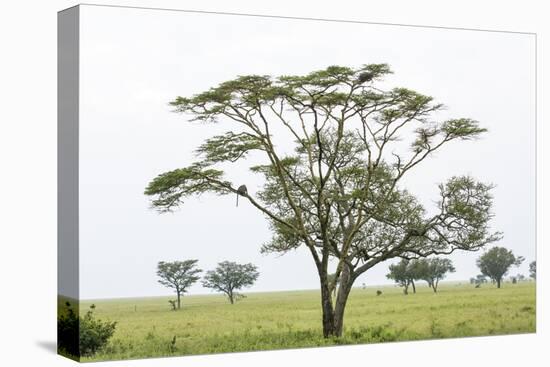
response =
{"points": [[94, 333], [67, 331], [82, 336]]}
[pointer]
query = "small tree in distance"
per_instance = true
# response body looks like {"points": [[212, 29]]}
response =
{"points": [[228, 277], [414, 270], [433, 270], [496, 262], [401, 274], [179, 275]]}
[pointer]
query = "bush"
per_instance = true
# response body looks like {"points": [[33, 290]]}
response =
{"points": [[67, 331], [82, 336]]}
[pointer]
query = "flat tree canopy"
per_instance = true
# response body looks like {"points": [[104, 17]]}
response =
{"points": [[179, 275], [339, 192], [229, 277]]}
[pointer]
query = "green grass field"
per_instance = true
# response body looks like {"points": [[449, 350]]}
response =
{"points": [[209, 324]]}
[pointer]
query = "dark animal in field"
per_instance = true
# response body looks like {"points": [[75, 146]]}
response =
{"points": [[172, 346], [173, 304], [241, 191]]}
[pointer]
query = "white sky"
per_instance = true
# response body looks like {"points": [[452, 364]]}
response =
{"points": [[133, 62]]}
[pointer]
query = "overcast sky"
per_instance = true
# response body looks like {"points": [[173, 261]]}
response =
{"points": [[134, 61]]}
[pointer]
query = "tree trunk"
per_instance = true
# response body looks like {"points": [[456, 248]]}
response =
{"points": [[346, 281], [231, 299], [434, 286], [498, 282], [179, 300], [414, 287], [328, 311]]}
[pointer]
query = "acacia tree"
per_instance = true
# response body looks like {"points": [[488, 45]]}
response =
{"points": [[179, 275], [228, 277], [413, 271], [398, 272], [496, 262], [338, 192], [404, 273], [434, 270]]}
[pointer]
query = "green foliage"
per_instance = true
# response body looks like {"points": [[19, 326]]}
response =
{"points": [[496, 262], [228, 147], [179, 275], [339, 173], [400, 273], [82, 336], [94, 333], [229, 277], [462, 128], [465, 214], [433, 270], [171, 187]]}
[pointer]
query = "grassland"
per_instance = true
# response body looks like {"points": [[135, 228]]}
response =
{"points": [[147, 327]]}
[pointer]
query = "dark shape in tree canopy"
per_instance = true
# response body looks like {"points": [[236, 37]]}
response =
{"points": [[242, 191], [338, 193], [179, 275], [496, 262], [228, 277]]}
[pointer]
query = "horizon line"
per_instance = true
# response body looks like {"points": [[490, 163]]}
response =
{"points": [[467, 281]]}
